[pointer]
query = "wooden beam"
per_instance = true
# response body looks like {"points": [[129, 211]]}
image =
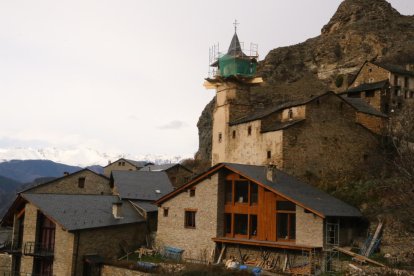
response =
{"points": [[357, 256]]}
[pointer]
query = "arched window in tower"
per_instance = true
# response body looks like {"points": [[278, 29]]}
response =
{"points": [[220, 137]]}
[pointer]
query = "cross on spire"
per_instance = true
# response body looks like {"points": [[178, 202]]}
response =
{"points": [[235, 25]]}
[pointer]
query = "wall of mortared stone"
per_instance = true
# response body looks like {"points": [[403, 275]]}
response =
{"points": [[178, 176], [115, 166], [329, 144], [29, 235], [196, 242], [94, 184], [252, 149], [309, 228], [371, 73], [108, 242], [63, 254], [374, 123], [5, 263]]}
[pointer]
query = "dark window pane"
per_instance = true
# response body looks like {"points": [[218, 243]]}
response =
{"points": [[253, 225], [240, 224], [282, 226], [285, 206], [292, 226], [228, 223], [253, 193], [242, 191], [190, 219], [229, 191]]}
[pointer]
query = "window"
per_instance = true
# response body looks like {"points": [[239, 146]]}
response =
{"points": [[370, 94], [370, 70], [123, 163], [240, 224], [290, 114], [241, 191], [229, 191], [81, 182], [269, 154], [190, 217], [285, 206], [227, 224], [286, 226], [234, 134], [253, 193], [119, 163], [220, 137], [165, 213], [249, 130], [192, 192], [253, 225]]}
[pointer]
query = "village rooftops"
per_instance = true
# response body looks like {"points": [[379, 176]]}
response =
{"points": [[141, 185], [360, 106], [163, 167], [368, 86], [137, 164], [78, 212], [394, 68], [363, 107], [302, 194]]}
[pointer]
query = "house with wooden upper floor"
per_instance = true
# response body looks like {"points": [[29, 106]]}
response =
{"points": [[235, 209]]}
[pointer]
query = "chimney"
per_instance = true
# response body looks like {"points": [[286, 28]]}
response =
{"points": [[65, 173], [117, 210], [109, 162], [271, 172], [409, 67]]}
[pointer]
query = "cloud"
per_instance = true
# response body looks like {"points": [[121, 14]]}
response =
{"points": [[173, 125]]}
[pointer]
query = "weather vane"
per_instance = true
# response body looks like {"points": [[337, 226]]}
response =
{"points": [[235, 25]]}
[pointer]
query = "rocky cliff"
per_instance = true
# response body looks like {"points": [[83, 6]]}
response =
{"points": [[359, 30]]}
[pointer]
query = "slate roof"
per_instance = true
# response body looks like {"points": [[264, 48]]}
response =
{"points": [[77, 212], [299, 191], [363, 106], [368, 86], [235, 49], [162, 167], [141, 185], [145, 205], [288, 186], [281, 125], [139, 164], [394, 68]]}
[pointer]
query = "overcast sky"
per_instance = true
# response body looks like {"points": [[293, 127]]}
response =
{"points": [[127, 76]]}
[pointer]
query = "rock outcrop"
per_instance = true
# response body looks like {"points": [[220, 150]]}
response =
{"points": [[360, 30]]}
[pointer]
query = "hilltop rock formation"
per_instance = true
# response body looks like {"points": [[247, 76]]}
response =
{"points": [[359, 30]]}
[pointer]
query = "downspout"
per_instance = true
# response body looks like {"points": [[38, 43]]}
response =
{"points": [[77, 252]]}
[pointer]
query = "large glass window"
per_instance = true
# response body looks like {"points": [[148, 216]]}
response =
{"points": [[253, 193], [227, 224], [286, 226], [242, 191], [253, 225], [285, 206], [240, 224], [189, 221], [229, 191]]}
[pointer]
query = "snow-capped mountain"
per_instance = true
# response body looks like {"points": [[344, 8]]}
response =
{"points": [[81, 156]]}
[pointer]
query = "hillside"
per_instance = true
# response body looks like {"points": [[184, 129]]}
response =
{"points": [[359, 30], [8, 188]]}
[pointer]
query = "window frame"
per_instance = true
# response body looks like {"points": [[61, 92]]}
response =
{"points": [[190, 218]]}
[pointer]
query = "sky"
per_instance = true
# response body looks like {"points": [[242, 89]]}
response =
{"points": [[126, 76]]}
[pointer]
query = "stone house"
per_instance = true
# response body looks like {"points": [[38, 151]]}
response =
{"points": [[69, 225], [384, 86], [252, 207], [61, 234], [123, 164], [323, 137], [177, 173]]}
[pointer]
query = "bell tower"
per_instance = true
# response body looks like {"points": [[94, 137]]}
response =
{"points": [[232, 76]]}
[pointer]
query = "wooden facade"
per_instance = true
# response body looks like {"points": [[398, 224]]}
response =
{"points": [[255, 213]]}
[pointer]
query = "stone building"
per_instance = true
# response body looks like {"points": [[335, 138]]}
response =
{"points": [[323, 137], [69, 225], [123, 164], [386, 87], [255, 208]]}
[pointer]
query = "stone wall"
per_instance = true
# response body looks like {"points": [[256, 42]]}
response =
{"points": [[253, 149], [108, 270], [119, 165], [309, 228], [371, 73], [109, 242], [374, 123], [29, 235], [329, 144], [94, 184], [5, 263], [63, 254], [195, 241], [178, 176]]}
